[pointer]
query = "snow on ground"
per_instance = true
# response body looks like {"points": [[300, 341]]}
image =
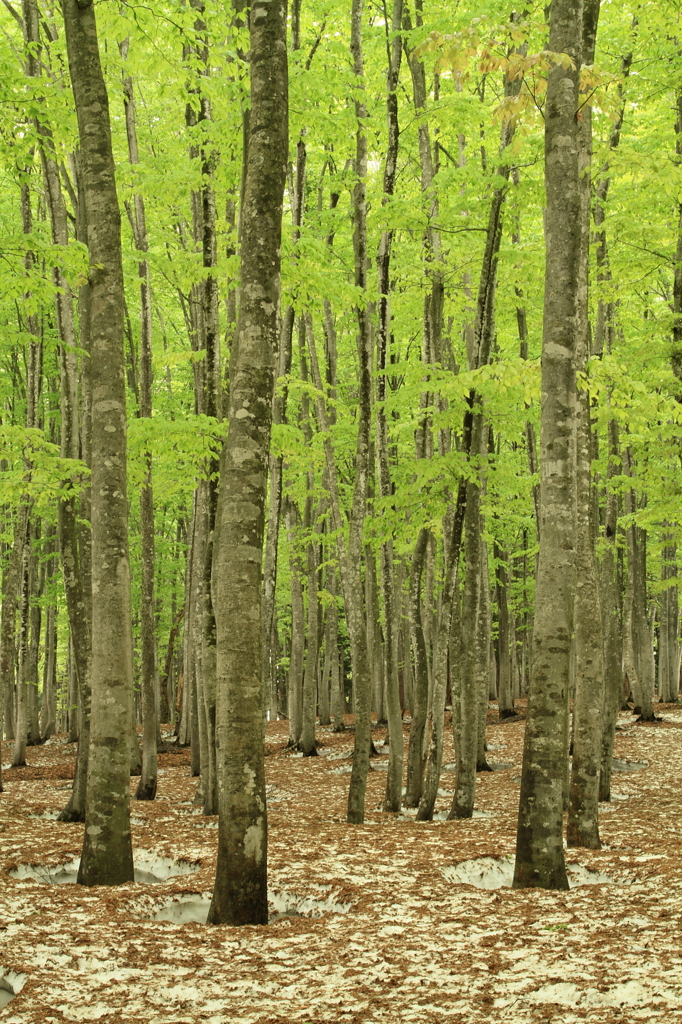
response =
{"points": [[384, 922]]}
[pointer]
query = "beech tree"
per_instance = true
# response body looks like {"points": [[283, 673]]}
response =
{"points": [[107, 857], [539, 844], [240, 892]]}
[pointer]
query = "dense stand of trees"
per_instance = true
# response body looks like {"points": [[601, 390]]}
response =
{"points": [[340, 374]]}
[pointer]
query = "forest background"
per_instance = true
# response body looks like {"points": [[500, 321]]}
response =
{"points": [[454, 190]]}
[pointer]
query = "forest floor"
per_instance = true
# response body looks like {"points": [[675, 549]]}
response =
{"points": [[386, 933]]}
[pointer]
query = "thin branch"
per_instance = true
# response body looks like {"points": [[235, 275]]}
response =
{"points": [[15, 14]]}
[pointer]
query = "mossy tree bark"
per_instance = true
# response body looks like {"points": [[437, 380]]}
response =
{"points": [[107, 849], [583, 808], [146, 789], [539, 843], [240, 892]]}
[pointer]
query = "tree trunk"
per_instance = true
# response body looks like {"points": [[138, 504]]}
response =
{"points": [[466, 743], [21, 712], [275, 507], [583, 823], [505, 638], [353, 597], [107, 850], [309, 694], [484, 658], [324, 688], [394, 776], [74, 540], [240, 892], [296, 657], [37, 587], [668, 655], [338, 698], [539, 844], [612, 627], [48, 710], [611, 610], [146, 789], [11, 585], [416, 752]]}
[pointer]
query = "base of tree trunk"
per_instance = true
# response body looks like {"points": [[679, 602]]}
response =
{"points": [[146, 791], [69, 815]]}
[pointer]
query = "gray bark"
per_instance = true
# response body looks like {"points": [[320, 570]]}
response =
{"points": [[466, 742], [668, 648], [353, 589], [240, 891], [416, 752], [107, 850], [638, 645], [505, 638], [394, 776], [539, 845], [583, 823], [48, 708], [146, 789], [11, 586], [296, 654], [310, 674]]}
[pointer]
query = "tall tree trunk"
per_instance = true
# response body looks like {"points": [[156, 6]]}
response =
{"points": [[610, 602], [338, 698], [280, 400], [484, 658], [48, 710], [394, 776], [539, 843], [505, 637], [639, 658], [275, 507], [583, 808], [668, 654], [74, 539], [21, 701], [146, 789], [107, 850], [240, 892], [37, 575], [309, 694], [353, 598], [466, 743], [296, 654], [612, 627], [416, 753]]}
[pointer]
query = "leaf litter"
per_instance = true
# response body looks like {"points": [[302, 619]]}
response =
{"points": [[372, 923]]}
